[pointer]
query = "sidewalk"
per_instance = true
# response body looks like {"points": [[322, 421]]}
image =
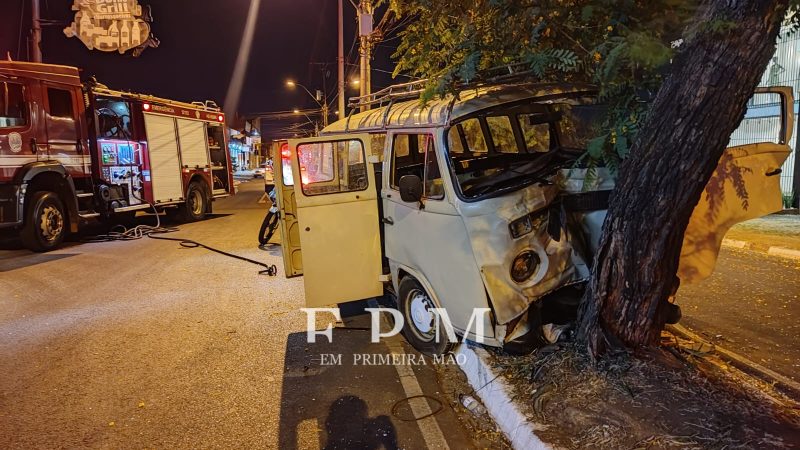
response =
{"points": [[777, 235]]}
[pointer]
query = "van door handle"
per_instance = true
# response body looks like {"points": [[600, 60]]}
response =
{"points": [[388, 221]]}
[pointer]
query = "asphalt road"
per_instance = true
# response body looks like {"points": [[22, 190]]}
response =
{"points": [[751, 306], [146, 344]]}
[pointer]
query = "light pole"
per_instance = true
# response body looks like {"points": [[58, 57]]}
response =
{"points": [[320, 98], [36, 32], [365, 35]]}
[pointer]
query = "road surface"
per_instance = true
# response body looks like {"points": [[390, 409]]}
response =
{"points": [[751, 306], [146, 344]]}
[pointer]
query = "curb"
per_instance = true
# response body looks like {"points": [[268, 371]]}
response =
{"points": [[780, 252], [764, 373], [496, 396]]}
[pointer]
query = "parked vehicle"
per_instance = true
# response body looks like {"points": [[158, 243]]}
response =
{"points": [[476, 202], [70, 152]]}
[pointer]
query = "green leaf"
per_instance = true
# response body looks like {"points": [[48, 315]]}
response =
{"points": [[595, 147]]}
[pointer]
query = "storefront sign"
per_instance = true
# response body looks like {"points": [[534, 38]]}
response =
{"points": [[112, 25]]}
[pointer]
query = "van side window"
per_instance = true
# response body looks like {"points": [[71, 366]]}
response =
{"points": [[454, 140], [502, 134], [12, 105], [59, 102], [332, 167], [377, 142], [536, 135], [413, 154], [402, 145], [434, 185]]}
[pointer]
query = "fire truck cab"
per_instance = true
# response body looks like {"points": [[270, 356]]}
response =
{"points": [[70, 152]]}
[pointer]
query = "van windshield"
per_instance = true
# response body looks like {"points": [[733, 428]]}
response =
{"points": [[503, 150]]}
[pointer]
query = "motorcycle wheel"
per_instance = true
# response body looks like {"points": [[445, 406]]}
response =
{"points": [[268, 227]]}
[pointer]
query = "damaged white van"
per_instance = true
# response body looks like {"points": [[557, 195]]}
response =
{"points": [[470, 202]]}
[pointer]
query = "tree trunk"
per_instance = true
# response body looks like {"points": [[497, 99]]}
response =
{"points": [[696, 110]]}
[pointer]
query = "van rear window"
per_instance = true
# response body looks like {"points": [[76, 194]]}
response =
{"points": [[332, 167]]}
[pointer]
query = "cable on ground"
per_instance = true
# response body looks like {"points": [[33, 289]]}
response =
{"points": [[121, 233], [397, 404]]}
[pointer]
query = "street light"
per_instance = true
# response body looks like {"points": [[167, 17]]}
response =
{"points": [[319, 98]]}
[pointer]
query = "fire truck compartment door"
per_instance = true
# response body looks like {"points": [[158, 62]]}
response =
{"points": [[745, 185], [337, 211], [165, 165], [194, 144]]}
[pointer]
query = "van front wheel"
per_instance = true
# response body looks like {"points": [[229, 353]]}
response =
{"points": [[420, 327]]}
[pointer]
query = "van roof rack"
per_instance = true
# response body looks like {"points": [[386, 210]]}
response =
{"points": [[413, 89]]}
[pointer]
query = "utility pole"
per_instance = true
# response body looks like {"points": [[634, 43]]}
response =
{"points": [[365, 11], [340, 62], [36, 32]]}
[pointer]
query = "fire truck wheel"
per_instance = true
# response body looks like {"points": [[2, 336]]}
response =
{"points": [[420, 328], [45, 223], [196, 203]]}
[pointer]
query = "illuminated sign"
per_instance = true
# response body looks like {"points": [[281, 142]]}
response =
{"points": [[112, 25]]}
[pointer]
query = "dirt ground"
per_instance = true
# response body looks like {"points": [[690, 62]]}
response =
{"points": [[674, 397]]}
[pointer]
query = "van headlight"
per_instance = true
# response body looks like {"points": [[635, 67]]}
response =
{"points": [[524, 266], [521, 227]]}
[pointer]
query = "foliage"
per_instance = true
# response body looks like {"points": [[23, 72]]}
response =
{"points": [[620, 45], [623, 46]]}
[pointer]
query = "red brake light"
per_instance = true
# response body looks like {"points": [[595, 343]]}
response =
{"points": [[221, 118], [285, 153], [146, 106]]}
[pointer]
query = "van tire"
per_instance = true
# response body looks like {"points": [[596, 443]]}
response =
{"points": [[413, 302], [46, 223]]}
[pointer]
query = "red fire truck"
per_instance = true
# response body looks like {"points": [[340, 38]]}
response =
{"points": [[70, 152]]}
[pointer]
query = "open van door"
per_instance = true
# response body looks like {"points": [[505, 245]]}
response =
{"points": [[287, 206], [332, 212], [745, 185]]}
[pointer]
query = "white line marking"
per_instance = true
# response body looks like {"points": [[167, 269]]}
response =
{"points": [[734, 243], [784, 252], [429, 427]]}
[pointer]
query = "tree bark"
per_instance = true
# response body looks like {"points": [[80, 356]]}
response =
{"points": [[698, 107]]}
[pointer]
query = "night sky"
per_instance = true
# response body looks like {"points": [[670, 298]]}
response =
{"points": [[199, 45]]}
